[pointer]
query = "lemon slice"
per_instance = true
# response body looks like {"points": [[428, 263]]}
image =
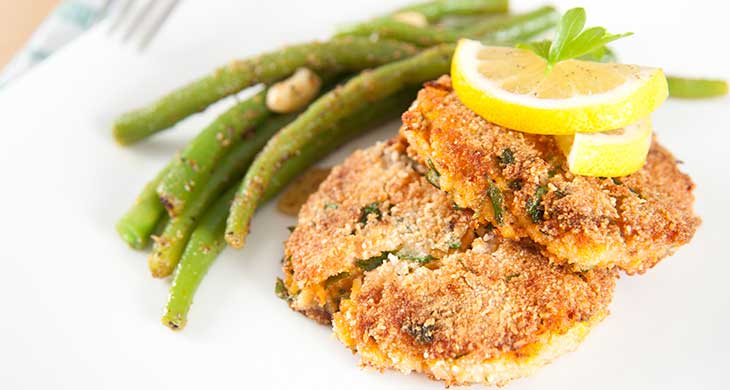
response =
{"points": [[611, 153], [512, 88]]}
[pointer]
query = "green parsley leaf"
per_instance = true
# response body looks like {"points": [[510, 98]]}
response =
{"points": [[507, 157], [433, 176], [589, 40], [569, 27], [422, 333], [495, 196], [510, 277], [372, 208], [418, 258], [372, 262], [534, 206], [336, 278], [572, 41], [541, 48], [602, 54]]}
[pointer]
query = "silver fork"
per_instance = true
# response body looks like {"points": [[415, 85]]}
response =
{"points": [[137, 20]]}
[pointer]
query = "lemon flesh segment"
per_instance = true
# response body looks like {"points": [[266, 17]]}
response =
{"points": [[608, 154], [512, 88]]}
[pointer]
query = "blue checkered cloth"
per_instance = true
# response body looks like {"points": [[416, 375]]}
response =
{"points": [[66, 22]]}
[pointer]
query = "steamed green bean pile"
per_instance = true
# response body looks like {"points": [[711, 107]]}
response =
{"points": [[206, 196]]}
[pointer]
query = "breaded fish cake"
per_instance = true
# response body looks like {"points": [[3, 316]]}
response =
{"points": [[373, 204], [521, 184], [415, 286], [488, 315]]}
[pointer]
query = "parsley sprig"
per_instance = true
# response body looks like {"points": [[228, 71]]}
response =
{"points": [[572, 40]]}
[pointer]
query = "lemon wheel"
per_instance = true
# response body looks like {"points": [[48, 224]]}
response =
{"points": [[513, 88]]}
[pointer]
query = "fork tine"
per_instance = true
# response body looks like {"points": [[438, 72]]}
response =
{"points": [[104, 12], [152, 31], [122, 15], [138, 19]]}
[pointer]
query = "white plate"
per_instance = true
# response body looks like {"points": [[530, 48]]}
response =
{"points": [[79, 310]]}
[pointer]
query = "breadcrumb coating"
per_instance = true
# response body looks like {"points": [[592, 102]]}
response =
{"points": [[446, 297], [630, 222], [488, 315], [332, 235]]}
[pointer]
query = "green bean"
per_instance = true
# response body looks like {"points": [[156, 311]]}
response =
{"points": [[137, 224], [207, 241], [192, 169], [494, 30], [393, 29], [205, 244], [687, 88], [602, 54], [510, 30], [338, 55], [169, 246], [354, 95], [435, 10], [462, 22]]}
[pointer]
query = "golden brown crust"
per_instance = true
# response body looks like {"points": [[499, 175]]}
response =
{"points": [[297, 193], [407, 215], [501, 300], [330, 235], [484, 309], [480, 304], [632, 222]]}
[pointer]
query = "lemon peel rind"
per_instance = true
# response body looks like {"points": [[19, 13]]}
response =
{"points": [[600, 155]]}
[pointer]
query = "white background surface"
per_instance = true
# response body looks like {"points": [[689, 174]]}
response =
{"points": [[78, 309]]}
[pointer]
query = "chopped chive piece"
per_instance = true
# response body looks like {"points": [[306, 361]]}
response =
{"points": [[616, 181], [510, 277], [420, 259], [515, 185], [433, 176], [336, 278], [373, 262], [372, 208], [456, 244], [330, 206], [534, 206], [507, 157], [456, 207], [495, 195]]}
